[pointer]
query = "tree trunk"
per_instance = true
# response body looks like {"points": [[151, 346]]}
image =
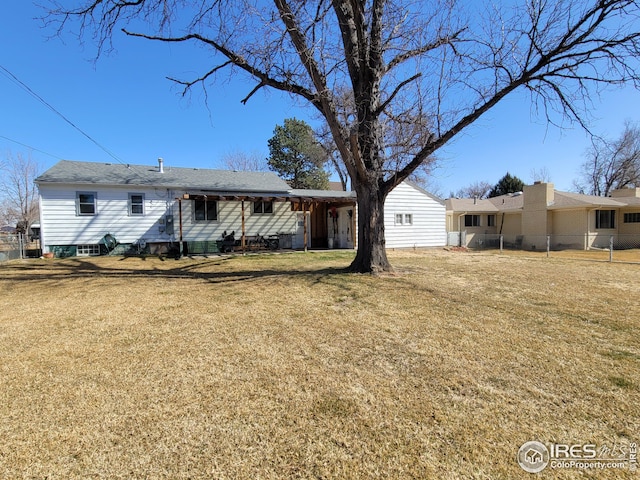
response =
{"points": [[371, 256]]}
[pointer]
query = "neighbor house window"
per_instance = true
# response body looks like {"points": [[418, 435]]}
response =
{"points": [[632, 217], [136, 204], [263, 207], [605, 219], [86, 203], [491, 220], [472, 220], [408, 219], [88, 250], [205, 210]]}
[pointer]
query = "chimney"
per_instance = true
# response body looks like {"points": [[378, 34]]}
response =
{"points": [[160, 165], [475, 199]]}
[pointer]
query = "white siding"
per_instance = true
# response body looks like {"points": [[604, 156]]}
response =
{"points": [[428, 228], [62, 226], [282, 220]]}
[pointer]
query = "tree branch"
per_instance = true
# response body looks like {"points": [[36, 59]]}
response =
{"points": [[238, 61]]}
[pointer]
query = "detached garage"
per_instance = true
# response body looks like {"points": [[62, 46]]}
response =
{"points": [[414, 218]]}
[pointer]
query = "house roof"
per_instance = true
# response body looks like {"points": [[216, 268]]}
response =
{"points": [[577, 200], [470, 205], [116, 174], [333, 195], [515, 202], [510, 201]]}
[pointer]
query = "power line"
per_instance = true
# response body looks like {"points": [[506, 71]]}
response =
{"points": [[32, 148], [26, 88]]}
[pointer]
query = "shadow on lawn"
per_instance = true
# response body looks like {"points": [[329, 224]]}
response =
{"points": [[217, 270]]}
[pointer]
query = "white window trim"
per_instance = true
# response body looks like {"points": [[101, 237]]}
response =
{"points": [[95, 204], [403, 218], [130, 206], [88, 250]]}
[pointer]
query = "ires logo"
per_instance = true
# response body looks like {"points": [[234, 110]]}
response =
{"points": [[560, 451], [535, 456]]}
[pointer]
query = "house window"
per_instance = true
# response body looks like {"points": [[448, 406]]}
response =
{"points": [[86, 203], [88, 250], [632, 217], [605, 219], [403, 219], [136, 204], [205, 210], [491, 220], [472, 220], [263, 207]]}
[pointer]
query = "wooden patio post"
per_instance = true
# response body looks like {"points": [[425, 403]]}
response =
{"points": [[243, 232], [304, 221], [353, 227], [180, 217]]}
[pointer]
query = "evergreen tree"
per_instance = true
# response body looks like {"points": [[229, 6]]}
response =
{"points": [[507, 184], [296, 156]]}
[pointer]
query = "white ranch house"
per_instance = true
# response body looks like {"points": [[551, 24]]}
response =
{"points": [[89, 208]]}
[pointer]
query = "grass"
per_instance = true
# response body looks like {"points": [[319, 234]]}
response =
{"points": [[286, 366]]}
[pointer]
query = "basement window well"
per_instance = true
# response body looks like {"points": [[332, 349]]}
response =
{"points": [[88, 250]]}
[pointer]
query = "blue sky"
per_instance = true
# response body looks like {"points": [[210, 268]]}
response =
{"points": [[125, 103]]}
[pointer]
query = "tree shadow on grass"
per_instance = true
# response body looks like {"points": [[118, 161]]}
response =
{"points": [[213, 270]]}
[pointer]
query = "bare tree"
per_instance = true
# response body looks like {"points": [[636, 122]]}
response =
{"points": [[418, 73], [611, 164], [479, 189], [20, 203], [333, 155], [541, 174], [244, 162]]}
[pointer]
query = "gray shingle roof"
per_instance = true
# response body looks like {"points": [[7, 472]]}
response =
{"points": [[91, 173]]}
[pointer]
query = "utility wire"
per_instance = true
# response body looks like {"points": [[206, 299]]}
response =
{"points": [[32, 148], [26, 88]]}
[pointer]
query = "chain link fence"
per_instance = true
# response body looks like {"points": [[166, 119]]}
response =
{"points": [[11, 247], [18, 246], [596, 246]]}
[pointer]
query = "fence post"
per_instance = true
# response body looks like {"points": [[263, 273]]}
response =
{"points": [[20, 246], [548, 244], [611, 248], [501, 242]]}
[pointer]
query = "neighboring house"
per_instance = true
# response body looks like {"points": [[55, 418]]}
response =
{"points": [[525, 219], [414, 218], [90, 208]]}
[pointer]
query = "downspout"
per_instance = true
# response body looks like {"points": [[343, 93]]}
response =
{"points": [[460, 227]]}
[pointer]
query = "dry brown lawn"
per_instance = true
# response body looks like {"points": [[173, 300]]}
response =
{"points": [[284, 366]]}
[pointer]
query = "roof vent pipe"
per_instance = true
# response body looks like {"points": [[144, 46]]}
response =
{"points": [[475, 199], [160, 165]]}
